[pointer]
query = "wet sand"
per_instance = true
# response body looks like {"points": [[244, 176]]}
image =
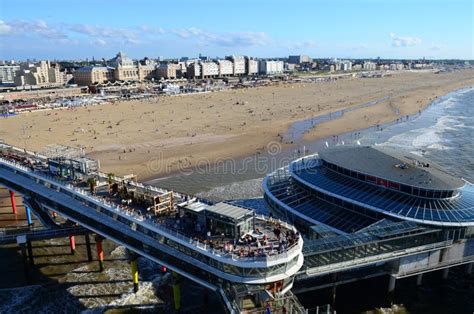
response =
{"points": [[156, 137]]}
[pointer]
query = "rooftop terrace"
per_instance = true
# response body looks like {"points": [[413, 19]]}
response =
{"points": [[399, 167]]}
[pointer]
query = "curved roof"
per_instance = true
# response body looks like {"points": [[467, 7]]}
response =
{"points": [[457, 211], [401, 167]]}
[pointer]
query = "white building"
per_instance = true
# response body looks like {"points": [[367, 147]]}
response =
{"points": [[251, 66], [239, 64], [209, 69], [193, 70], [396, 66], [369, 66], [267, 67], [168, 70], [226, 67], [346, 66], [8, 72], [299, 59], [42, 74]]}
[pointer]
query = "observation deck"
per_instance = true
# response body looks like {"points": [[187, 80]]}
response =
{"points": [[260, 251]]}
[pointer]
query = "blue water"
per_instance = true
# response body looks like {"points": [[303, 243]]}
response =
{"points": [[297, 130]]}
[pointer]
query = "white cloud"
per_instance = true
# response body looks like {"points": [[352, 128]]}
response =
{"points": [[99, 42], [241, 39], [104, 31], [152, 30], [310, 44], [31, 28], [404, 41], [5, 29]]}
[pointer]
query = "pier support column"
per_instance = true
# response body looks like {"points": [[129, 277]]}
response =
{"points": [[469, 269], [177, 292], [419, 280], [29, 247], [333, 291], [88, 248], [391, 289], [445, 274], [28, 216], [13, 201], [134, 268], [100, 253], [205, 298], [21, 241], [72, 244], [54, 214]]}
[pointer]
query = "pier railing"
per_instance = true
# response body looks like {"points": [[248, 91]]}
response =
{"points": [[149, 223]]}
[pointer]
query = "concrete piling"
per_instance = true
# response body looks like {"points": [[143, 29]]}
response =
{"points": [[134, 269], [28, 216], [29, 248], [72, 244], [391, 289], [88, 248], [419, 280], [13, 202], [445, 273], [100, 253], [177, 292]]}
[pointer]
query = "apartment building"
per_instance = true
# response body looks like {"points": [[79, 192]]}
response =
{"points": [[267, 67], [193, 70], [239, 64], [369, 66], [299, 59], [209, 69], [168, 70], [251, 66], [226, 68], [42, 74], [146, 72], [8, 72], [91, 75]]}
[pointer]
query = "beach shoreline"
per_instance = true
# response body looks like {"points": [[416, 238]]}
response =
{"points": [[160, 137]]}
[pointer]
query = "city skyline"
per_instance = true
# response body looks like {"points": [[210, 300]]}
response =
{"points": [[368, 29]]}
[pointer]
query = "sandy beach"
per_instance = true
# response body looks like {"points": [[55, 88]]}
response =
{"points": [[158, 136]]}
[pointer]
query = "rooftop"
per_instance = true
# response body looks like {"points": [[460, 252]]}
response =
{"points": [[401, 167], [233, 212]]}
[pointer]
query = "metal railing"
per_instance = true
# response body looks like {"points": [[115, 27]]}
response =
{"points": [[146, 222]]}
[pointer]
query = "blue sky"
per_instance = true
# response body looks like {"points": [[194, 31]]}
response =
{"points": [[359, 29]]}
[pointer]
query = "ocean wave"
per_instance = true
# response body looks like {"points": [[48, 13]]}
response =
{"points": [[243, 189]]}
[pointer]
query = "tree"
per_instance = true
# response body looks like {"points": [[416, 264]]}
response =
{"points": [[92, 182]]}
